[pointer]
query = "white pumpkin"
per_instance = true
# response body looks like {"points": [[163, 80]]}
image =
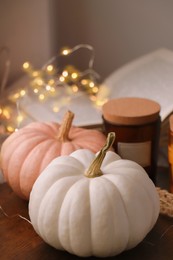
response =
{"points": [[90, 206]]}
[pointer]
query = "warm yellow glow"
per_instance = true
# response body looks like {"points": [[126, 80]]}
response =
{"points": [[95, 90], [10, 128], [65, 73], [20, 119], [1, 110], [48, 88], [26, 65], [55, 109], [45, 81], [52, 90], [75, 88], [16, 96], [91, 84], [74, 75], [6, 113], [84, 81], [100, 102], [35, 90], [22, 92], [61, 78], [41, 97], [39, 82], [51, 82], [36, 73], [93, 98], [65, 51], [50, 68]]}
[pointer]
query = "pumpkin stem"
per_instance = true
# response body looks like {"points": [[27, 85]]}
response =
{"points": [[94, 169], [65, 126]]}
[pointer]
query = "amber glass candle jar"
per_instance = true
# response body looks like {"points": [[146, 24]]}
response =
{"points": [[136, 122], [170, 152]]}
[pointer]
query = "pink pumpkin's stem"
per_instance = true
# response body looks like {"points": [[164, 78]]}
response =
{"points": [[64, 129]]}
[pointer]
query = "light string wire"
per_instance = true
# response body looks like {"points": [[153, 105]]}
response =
{"points": [[44, 84], [51, 60], [144, 241], [6, 69], [69, 51], [14, 216]]}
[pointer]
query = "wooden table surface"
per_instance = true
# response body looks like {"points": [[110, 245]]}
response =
{"points": [[18, 239]]}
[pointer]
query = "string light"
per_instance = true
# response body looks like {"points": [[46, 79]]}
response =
{"points": [[65, 73], [62, 79], [66, 51], [50, 68], [48, 82], [10, 128], [75, 88], [68, 75], [27, 66], [41, 97], [19, 119]]}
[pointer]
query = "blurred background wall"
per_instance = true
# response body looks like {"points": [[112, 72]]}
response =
{"points": [[27, 29], [119, 30]]}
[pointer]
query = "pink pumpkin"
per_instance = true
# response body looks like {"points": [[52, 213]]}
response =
{"points": [[25, 153]]}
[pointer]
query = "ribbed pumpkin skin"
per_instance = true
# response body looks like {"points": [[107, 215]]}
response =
{"points": [[100, 216], [25, 153]]}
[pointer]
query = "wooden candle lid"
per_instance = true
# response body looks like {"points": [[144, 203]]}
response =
{"points": [[131, 111]]}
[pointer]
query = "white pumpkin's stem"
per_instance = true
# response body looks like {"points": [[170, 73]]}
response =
{"points": [[94, 169], [65, 127]]}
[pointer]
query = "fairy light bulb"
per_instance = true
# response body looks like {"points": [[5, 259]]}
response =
{"points": [[45, 82], [10, 129], [39, 81], [55, 109], [61, 78], [41, 97], [6, 113], [65, 73], [27, 66], [19, 119], [16, 95], [50, 68], [95, 89], [74, 75], [65, 51], [48, 87], [91, 84], [51, 82], [52, 90], [75, 88], [36, 73], [22, 92], [35, 90], [84, 82]]}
